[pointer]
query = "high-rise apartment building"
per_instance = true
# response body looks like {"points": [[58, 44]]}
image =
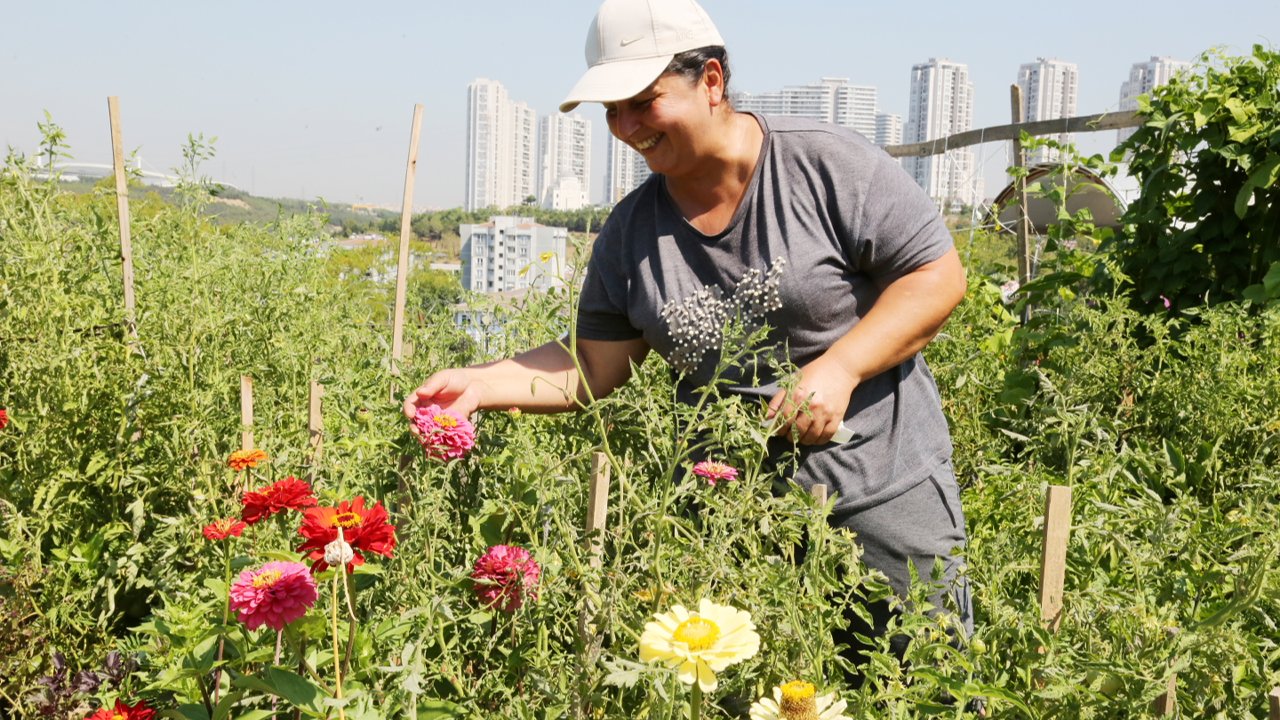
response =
{"points": [[625, 170], [1049, 91], [565, 161], [941, 104], [888, 129], [831, 100], [1143, 78], [511, 253], [501, 139]]}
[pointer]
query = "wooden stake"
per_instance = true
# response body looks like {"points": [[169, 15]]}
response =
{"points": [[819, 493], [597, 516], [1274, 698], [1053, 559], [1166, 705], [122, 210], [246, 412], [402, 268], [315, 426], [597, 506], [1020, 162]]}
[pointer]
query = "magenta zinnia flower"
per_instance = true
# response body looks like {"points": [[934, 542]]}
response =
{"points": [[715, 472], [274, 595], [444, 434], [505, 576]]}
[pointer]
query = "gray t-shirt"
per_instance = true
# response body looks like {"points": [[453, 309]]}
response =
{"points": [[827, 219]]}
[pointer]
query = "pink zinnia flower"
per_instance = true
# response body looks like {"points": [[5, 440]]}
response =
{"points": [[223, 529], [444, 434], [505, 576], [274, 595], [715, 472]]}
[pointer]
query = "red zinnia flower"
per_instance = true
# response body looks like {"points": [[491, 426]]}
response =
{"points": [[505, 576], [274, 595], [223, 529], [140, 711], [366, 529], [4, 418], [287, 494], [241, 459], [715, 471]]}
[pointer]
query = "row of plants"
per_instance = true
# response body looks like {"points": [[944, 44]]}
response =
{"points": [[128, 584]]}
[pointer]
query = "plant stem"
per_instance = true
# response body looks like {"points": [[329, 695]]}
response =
{"points": [[226, 613], [695, 701], [337, 660]]}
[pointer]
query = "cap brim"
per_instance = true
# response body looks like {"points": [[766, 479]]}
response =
{"points": [[613, 81]]}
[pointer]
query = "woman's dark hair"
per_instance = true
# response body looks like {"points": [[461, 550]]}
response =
{"points": [[690, 63]]}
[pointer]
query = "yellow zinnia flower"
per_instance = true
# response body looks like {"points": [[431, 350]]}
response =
{"points": [[701, 643], [797, 701]]}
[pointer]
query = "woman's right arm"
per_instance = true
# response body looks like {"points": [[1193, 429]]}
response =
{"points": [[542, 380]]}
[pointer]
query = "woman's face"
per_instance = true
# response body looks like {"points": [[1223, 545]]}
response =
{"points": [[667, 122]]}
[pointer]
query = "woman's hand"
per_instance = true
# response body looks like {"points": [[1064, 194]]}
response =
{"points": [[812, 411], [453, 389]]}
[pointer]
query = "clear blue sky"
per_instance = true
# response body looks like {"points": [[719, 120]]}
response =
{"points": [[315, 99]]}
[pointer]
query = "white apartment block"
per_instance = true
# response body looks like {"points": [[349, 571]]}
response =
{"points": [[500, 148], [512, 253], [565, 161], [888, 129], [941, 104], [624, 171], [1049, 91], [1143, 78], [831, 100]]}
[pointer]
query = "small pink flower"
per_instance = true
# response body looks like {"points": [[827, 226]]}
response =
{"points": [[274, 595], [505, 576], [715, 471], [444, 434], [1167, 302]]}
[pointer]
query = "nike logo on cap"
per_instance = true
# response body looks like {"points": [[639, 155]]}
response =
{"points": [[632, 40]]}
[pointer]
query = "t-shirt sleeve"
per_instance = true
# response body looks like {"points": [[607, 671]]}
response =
{"points": [[602, 305], [899, 227]]}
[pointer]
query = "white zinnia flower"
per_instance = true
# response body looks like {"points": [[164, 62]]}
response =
{"points": [[701, 643], [796, 701]]}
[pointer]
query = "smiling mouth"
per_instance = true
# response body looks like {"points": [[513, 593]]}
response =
{"points": [[643, 145]]}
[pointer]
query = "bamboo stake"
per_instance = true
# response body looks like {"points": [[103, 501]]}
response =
{"points": [[597, 516], [402, 268], [1053, 559], [315, 426], [1274, 698], [996, 133], [122, 209], [246, 412]]}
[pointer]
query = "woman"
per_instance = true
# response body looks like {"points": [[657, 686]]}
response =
{"points": [[804, 226]]}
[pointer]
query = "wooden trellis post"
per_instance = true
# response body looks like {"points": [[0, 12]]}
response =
{"points": [[1023, 249], [1053, 558], [315, 428], [597, 517], [406, 232], [1166, 705], [819, 493], [122, 208], [1274, 702], [246, 412]]}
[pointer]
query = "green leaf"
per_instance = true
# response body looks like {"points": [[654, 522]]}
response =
{"points": [[298, 690], [436, 709], [1264, 176]]}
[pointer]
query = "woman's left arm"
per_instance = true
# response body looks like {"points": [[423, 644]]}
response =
{"points": [[908, 314]]}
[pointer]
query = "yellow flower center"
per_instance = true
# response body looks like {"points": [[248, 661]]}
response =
{"points": [[798, 702], [698, 633], [118, 716], [346, 520], [446, 421], [267, 579]]}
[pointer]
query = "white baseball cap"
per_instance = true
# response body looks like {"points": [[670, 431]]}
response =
{"points": [[631, 42]]}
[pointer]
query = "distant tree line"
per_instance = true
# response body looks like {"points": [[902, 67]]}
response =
{"points": [[438, 224]]}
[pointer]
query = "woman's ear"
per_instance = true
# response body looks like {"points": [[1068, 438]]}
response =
{"points": [[713, 82]]}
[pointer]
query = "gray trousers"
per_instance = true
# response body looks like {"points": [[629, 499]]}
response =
{"points": [[920, 525]]}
